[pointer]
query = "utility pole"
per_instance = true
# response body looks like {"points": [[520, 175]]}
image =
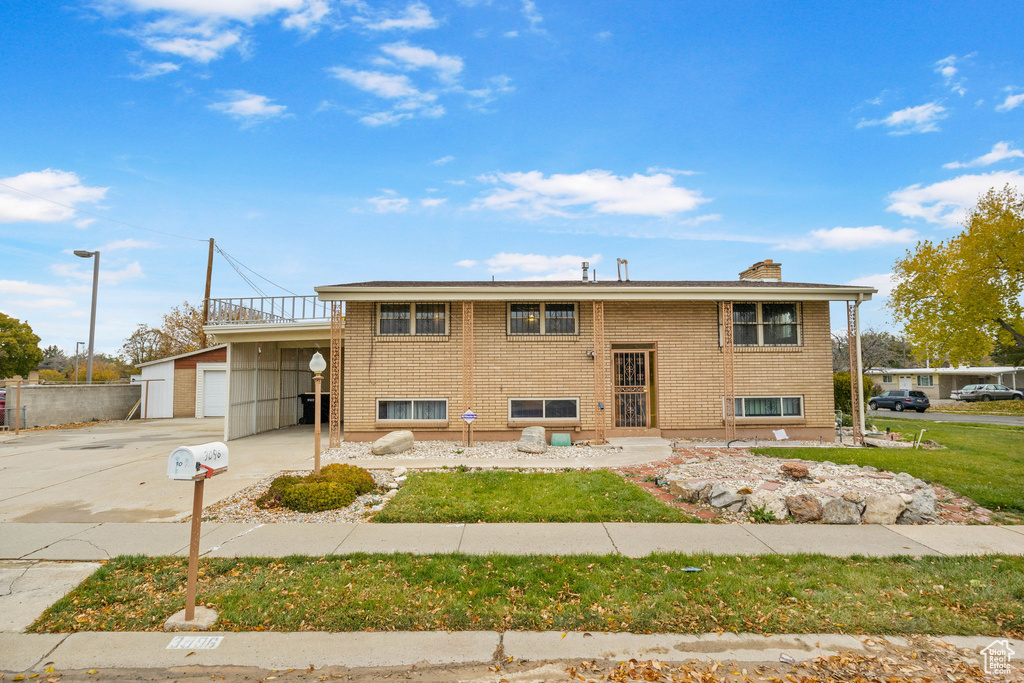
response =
{"points": [[206, 297]]}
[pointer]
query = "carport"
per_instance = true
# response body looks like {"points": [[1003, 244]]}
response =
{"points": [[270, 341]]}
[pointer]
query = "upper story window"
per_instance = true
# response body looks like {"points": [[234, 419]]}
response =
{"points": [[542, 319], [766, 324], [412, 319]]}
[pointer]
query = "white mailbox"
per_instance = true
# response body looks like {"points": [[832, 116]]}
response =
{"points": [[186, 462]]}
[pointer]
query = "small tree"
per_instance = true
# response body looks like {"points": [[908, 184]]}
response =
{"points": [[841, 387], [877, 350], [19, 348], [145, 344], [181, 332], [54, 358]]}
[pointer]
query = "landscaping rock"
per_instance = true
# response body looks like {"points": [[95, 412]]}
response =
{"points": [[840, 511], [854, 497], [909, 481], [769, 501], [804, 507], [204, 620], [391, 494], [399, 471], [532, 441], [689, 491], [393, 442], [797, 470], [883, 509], [920, 510], [722, 497]]}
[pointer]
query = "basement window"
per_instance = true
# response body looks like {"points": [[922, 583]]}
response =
{"points": [[769, 406], [544, 408], [412, 409]]}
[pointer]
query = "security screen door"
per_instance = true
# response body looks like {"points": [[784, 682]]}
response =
{"points": [[632, 388]]}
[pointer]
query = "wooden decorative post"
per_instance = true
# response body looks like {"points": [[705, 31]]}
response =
{"points": [[337, 329], [600, 364], [728, 371], [856, 377], [468, 361]]}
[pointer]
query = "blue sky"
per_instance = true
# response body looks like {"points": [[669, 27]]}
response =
{"points": [[326, 141]]}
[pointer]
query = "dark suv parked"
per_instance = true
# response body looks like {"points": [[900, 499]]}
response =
{"points": [[900, 400]]}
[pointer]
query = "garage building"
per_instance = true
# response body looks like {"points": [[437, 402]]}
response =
{"points": [[192, 384]]}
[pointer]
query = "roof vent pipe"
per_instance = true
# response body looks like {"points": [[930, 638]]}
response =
{"points": [[586, 266], [619, 262]]}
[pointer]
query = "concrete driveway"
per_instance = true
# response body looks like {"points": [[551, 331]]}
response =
{"points": [[116, 471]]}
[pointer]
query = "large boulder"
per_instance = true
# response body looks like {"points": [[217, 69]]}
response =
{"points": [[841, 511], [532, 441], [804, 507], [920, 510], [883, 508], [769, 501], [393, 442], [689, 491], [722, 497], [797, 470]]}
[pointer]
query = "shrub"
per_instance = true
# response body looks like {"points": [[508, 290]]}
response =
{"points": [[359, 479], [317, 496], [272, 498], [841, 385]]}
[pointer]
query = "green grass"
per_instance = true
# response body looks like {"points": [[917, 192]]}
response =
{"points": [[766, 594], [982, 462], [982, 408], [502, 496]]}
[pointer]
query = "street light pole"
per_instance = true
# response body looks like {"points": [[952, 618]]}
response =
{"points": [[92, 320], [77, 344], [317, 364]]}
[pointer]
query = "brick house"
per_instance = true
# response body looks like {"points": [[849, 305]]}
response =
{"points": [[595, 359]]}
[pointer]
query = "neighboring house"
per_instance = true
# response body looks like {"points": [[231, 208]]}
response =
{"points": [[938, 383], [192, 384], [590, 358]]}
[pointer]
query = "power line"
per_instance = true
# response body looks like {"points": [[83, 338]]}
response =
{"points": [[225, 254], [100, 216]]}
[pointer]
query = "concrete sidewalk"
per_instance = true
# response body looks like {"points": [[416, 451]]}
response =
{"points": [[77, 651], [90, 542]]}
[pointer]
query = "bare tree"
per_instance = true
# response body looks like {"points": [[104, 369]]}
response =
{"points": [[878, 350]]}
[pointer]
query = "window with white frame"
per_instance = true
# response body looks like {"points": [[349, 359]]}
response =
{"points": [[769, 406], [544, 408], [430, 319], [412, 409], [886, 379], [925, 381], [766, 324], [542, 319]]}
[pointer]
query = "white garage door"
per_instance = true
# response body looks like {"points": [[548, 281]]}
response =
{"points": [[215, 393]]}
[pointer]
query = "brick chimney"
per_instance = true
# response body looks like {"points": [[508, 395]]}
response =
{"points": [[763, 270]]}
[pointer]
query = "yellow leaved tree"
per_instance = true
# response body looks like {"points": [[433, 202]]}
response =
{"points": [[956, 298]]}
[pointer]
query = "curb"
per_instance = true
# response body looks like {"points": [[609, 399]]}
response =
{"points": [[95, 650]]}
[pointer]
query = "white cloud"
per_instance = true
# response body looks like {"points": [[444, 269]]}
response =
{"points": [[152, 70], [389, 202], [389, 86], [670, 171], [883, 282], [416, 17], [1000, 151], [456, 182], [201, 42], [946, 202], [948, 70], [242, 10], [601, 191], [62, 187], [603, 35], [432, 202], [443, 160], [128, 244], [464, 263], [533, 16], [249, 108], [132, 271], [920, 119], [448, 67], [539, 267], [310, 19], [9, 288], [1012, 101], [850, 239], [511, 34]]}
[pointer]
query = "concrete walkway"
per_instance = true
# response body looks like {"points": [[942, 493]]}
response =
{"points": [[279, 651], [90, 542]]}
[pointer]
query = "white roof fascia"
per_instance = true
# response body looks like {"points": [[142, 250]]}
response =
{"points": [[592, 293], [180, 355], [244, 332], [991, 370]]}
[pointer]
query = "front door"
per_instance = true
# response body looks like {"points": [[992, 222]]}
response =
{"points": [[906, 382], [632, 376]]}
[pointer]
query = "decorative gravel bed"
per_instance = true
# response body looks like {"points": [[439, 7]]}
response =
{"points": [[453, 450]]}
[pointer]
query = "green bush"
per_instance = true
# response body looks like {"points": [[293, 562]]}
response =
{"points": [[359, 479], [317, 496], [841, 385], [272, 498]]}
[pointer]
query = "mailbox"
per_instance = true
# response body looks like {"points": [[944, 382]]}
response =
{"points": [[186, 462]]}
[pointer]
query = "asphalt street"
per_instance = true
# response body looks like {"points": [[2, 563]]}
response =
{"points": [[949, 417]]}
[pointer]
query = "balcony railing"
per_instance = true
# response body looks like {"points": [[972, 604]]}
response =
{"points": [[267, 309]]}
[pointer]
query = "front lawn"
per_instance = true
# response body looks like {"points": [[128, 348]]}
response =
{"points": [[983, 462], [765, 594], [982, 408], [502, 496]]}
